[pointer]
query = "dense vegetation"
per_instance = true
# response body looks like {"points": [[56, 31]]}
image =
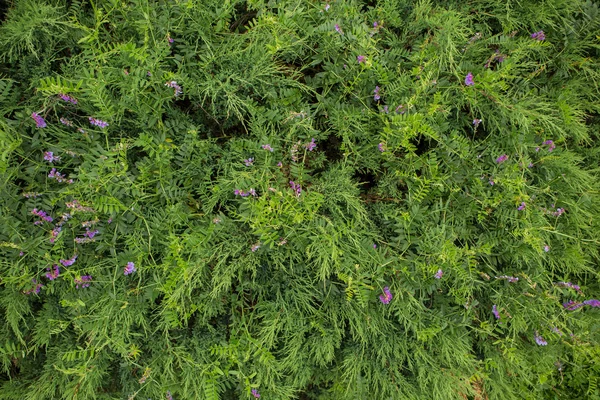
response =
{"points": [[292, 199]]}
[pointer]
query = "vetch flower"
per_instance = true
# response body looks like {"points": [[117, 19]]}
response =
{"points": [[267, 147], [296, 188], [83, 281], [592, 302], [338, 29], [469, 80], [502, 158], [68, 98], [98, 122], [376, 91], [50, 157], [539, 340], [572, 305], [360, 59], [53, 273], [522, 206], [69, 262], [327, 6], [439, 274], [551, 145], [381, 147], [129, 269], [36, 289], [280, 164], [254, 391], [386, 297], [546, 248], [510, 279], [255, 247], [249, 161], [476, 122], [311, 146], [169, 397], [569, 285], [39, 121], [175, 86], [538, 36], [495, 312]]}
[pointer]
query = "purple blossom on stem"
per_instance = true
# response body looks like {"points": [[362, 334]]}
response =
{"points": [[376, 91], [42, 214], [83, 281], [36, 289], [249, 161], [569, 285], [381, 147], [385, 109], [399, 109], [129, 269], [68, 98], [572, 305], [386, 297], [169, 397], [338, 29], [50, 157], [53, 273], [522, 206], [175, 86], [255, 247], [495, 312], [551, 145], [538, 36], [90, 234], [69, 262], [502, 158], [360, 59], [439, 274], [98, 122], [469, 80], [311, 146], [592, 302], [267, 147], [254, 391], [327, 6], [510, 279], [539, 339], [280, 164], [476, 122], [296, 188], [546, 248], [39, 121], [54, 233]]}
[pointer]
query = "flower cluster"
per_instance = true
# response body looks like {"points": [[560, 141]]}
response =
{"points": [[255, 247], [469, 80], [574, 305], [35, 289], [539, 339], [68, 98], [239, 192], [129, 269], [522, 206], [249, 161], [31, 195], [386, 297], [58, 228], [98, 122], [538, 36], [495, 312], [39, 121], [502, 158], [76, 206], [550, 144], [69, 262], [54, 174], [510, 279], [294, 152], [267, 147], [83, 281], [381, 147], [338, 29], [255, 393], [53, 273], [43, 215], [311, 146], [361, 59], [439, 274], [296, 188], [50, 157], [476, 122], [175, 86], [569, 285], [376, 92]]}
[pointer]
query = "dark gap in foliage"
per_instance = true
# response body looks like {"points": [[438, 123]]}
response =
{"points": [[246, 16], [332, 148], [422, 144], [367, 180]]}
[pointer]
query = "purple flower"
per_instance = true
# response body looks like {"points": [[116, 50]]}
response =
{"points": [[381, 147], [495, 312], [50, 157], [360, 59], [375, 25], [386, 297], [39, 121], [546, 248], [311, 146], [539, 340], [551, 145], [21, 253], [69, 262], [53, 273], [296, 188], [175, 86], [399, 109], [338, 29], [556, 330], [522, 206], [385, 109], [255, 247], [54, 233], [267, 147], [572, 305], [376, 91], [439, 274], [502, 158], [249, 161], [254, 391], [476, 122], [374, 246], [280, 164], [98, 122], [83, 281], [510, 279], [90, 234], [68, 98], [538, 36], [129, 269], [492, 182], [569, 285], [469, 80], [35, 289], [327, 6], [592, 302], [170, 39], [43, 215]]}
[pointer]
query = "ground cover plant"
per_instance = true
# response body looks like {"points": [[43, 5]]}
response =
{"points": [[293, 199]]}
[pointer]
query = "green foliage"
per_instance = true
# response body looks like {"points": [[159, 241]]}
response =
{"points": [[263, 270]]}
